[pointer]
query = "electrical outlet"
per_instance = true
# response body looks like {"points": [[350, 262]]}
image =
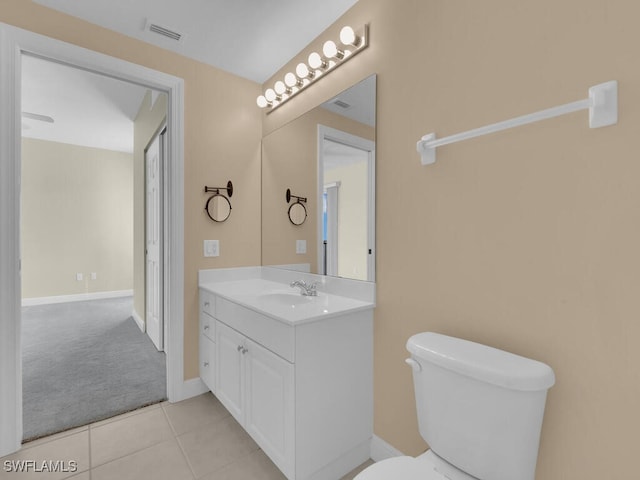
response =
{"points": [[94, 276], [212, 248], [79, 277], [301, 246]]}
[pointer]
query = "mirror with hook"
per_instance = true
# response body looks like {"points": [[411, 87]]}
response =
{"points": [[297, 211], [218, 206]]}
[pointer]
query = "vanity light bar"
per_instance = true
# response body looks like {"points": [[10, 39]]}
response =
{"points": [[317, 66]]}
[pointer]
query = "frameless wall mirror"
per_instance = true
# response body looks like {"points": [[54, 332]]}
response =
{"points": [[329, 154]]}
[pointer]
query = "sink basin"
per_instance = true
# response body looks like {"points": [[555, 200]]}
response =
{"points": [[286, 299]]}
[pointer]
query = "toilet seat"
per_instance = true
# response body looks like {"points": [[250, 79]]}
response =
{"points": [[401, 468], [427, 466]]}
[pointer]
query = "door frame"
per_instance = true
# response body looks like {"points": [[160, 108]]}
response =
{"points": [[334, 135], [14, 42]]}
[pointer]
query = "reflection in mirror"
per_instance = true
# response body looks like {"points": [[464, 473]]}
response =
{"points": [[218, 207], [297, 213], [329, 151]]}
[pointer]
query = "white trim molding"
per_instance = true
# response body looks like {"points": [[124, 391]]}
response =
{"points": [[14, 42], [192, 388], [138, 320], [381, 450], [79, 297], [10, 358]]}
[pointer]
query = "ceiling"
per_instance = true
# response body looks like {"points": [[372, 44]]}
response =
{"points": [[357, 103], [86, 109], [249, 38]]}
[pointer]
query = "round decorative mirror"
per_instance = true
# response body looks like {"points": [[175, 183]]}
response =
{"points": [[297, 213], [218, 207]]}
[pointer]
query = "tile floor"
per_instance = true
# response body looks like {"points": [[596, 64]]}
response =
{"points": [[193, 439]]}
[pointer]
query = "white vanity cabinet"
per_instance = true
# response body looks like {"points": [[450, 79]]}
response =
{"points": [[302, 390], [257, 388], [207, 341]]}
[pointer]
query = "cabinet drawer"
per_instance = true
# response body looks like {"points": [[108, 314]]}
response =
{"points": [[207, 326], [207, 303], [207, 362], [272, 334]]}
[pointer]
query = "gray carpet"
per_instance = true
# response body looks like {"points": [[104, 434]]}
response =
{"points": [[83, 362]]}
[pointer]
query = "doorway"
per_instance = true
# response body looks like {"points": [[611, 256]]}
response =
{"points": [[346, 177], [83, 185], [15, 42]]}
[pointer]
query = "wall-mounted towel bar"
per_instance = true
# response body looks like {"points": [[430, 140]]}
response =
{"points": [[603, 111]]}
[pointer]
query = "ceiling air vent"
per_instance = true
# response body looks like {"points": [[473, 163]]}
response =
{"points": [[164, 31], [341, 104]]}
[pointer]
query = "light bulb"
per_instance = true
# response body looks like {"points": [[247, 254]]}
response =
{"points": [[348, 37], [330, 50], [291, 80], [270, 95], [262, 101], [280, 87], [303, 71], [315, 61]]}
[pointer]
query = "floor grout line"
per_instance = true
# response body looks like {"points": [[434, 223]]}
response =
{"points": [[90, 449], [175, 436]]}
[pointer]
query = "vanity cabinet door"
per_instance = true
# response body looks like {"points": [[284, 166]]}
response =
{"points": [[229, 366], [269, 405], [207, 362]]}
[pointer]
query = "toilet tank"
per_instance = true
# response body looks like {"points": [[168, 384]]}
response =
{"points": [[479, 408]]}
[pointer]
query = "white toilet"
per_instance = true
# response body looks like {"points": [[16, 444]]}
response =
{"points": [[480, 410]]}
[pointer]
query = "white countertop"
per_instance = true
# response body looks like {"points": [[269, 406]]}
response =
{"points": [[284, 303]]}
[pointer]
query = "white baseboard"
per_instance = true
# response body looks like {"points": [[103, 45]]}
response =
{"points": [[343, 464], [26, 302], [138, 320], [191, 388], [381, 450]]}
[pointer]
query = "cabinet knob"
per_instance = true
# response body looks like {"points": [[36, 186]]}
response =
{"points": [[207, 304], [206, 364], [239, 347], [244, 350], [206, 327]]}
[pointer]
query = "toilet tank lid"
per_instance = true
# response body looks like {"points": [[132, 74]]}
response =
{"points": [[481, 362]]}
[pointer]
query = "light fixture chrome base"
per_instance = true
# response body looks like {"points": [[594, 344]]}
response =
{"points": [[349, 52]]}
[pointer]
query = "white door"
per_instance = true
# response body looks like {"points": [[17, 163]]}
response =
{"points": [[154, 314], [229, 370], [270, 404]]}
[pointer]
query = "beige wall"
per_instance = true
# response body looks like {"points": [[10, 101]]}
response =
{"points": [[290, 160], [222, 134], [77, 217], [526, 240], [149, 120]]}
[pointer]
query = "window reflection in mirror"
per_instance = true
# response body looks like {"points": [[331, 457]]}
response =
{"points": [[329, 152]]}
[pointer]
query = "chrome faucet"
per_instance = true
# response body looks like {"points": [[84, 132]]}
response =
{"points": [[307, 289]]}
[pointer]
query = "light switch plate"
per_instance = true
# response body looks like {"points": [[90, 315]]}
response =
{"points": [[212, 248], [301, 246]]}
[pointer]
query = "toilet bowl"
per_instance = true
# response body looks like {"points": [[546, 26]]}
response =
{"points": [[427, 466], [479, 409]]}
